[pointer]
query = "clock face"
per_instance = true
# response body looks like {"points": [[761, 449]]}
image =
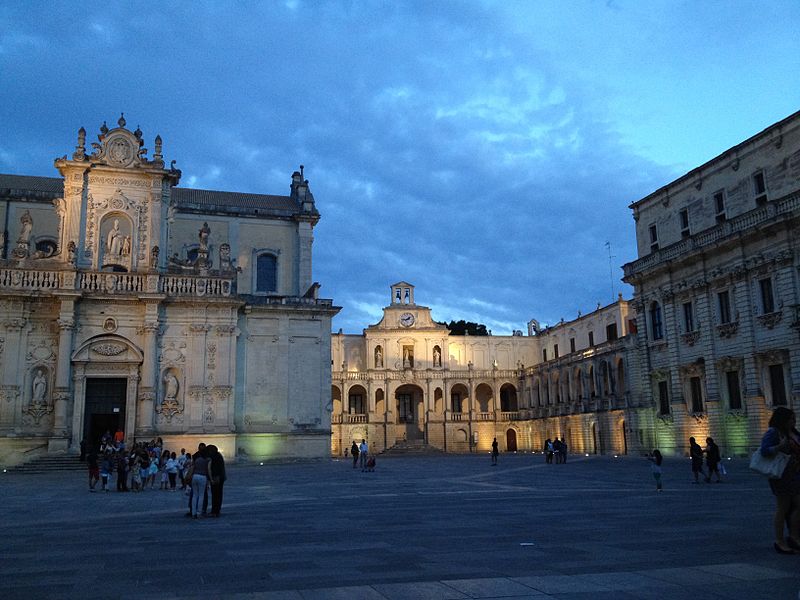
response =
{"points": [[406, 319]]}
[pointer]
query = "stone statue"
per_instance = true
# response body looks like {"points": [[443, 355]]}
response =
{"points": [[39, 388], [437, 357], [225, 257], [170, 388], [205, 231], [71, 250], [25, 230], [126, 246], [114, 240], [154, 257], [378, 357]]}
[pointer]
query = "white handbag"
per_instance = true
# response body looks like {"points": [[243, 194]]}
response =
{"points": [[771, 466]]}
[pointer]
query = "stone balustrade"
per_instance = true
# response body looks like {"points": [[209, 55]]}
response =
{"points": [[111, 283]]}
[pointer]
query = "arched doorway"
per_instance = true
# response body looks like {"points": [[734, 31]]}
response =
{"points": [[409, 411], [508, 398], [624, 438], [511, 440]]}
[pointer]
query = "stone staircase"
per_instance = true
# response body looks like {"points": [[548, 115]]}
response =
{"points": [[50, 464], [411, 448]]}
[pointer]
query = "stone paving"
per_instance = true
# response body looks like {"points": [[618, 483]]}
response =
{"points": [[446, 527]]}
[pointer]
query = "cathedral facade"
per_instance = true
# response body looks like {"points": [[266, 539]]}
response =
{"points": [[127, 302]]}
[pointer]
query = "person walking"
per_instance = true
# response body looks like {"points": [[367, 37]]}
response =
{"points": [[94, 468], [783, 437], [713, 459], [354, 453], [548, 451], [696, 454], [217, 477], [656, 459], [363, 452], [495, 452]]}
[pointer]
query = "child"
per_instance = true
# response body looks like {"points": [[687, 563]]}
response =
{"points": [[106, 468], [656, 459], [136, 472], [371, 464]]}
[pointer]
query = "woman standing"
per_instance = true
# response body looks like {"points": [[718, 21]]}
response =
{"points": [[354, 453], [783, 437], [199, 482]]}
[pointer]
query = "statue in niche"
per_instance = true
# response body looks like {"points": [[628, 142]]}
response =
{"points": [[126, 246], [437, 357], [39, 388], [170, 388], [25, 230], [114, 240], [378, 357], [71, 250], [154, 257]]}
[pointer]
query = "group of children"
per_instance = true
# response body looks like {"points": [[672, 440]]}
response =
{"points": [[144, 465]]}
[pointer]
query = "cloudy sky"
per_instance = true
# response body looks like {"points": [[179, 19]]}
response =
{"points": [[483, 151]]}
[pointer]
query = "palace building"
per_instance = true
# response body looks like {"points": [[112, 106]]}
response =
{"points": [[129, 302]]}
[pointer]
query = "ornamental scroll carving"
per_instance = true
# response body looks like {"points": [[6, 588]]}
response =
{"points": [[108, 349]]}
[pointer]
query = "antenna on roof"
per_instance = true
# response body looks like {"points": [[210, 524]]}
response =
{"points": [[610, 269]]}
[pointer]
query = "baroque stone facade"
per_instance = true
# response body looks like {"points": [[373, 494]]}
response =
{"points": [[126, 301], [718, 295], [406, 380]]}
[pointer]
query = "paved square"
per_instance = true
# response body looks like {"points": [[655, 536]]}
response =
{"points": [[446, 527]]}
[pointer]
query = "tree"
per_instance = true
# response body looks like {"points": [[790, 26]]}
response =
{"points": [[463, 327]]}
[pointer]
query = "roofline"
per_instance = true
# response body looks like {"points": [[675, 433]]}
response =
{"points": [[705, 165]]}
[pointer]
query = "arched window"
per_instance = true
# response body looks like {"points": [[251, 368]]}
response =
{"points": [[266, 273], [656, 324]]}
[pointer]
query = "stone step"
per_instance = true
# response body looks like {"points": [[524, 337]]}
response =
{"points": [[411, 448], [49, 464]]}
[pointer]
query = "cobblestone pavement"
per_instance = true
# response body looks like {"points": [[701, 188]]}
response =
{"points": [[444, 527]]}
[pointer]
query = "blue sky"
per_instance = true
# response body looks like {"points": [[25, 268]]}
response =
{"points": [[483, 151]]}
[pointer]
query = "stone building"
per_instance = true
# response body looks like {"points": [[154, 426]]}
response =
{"points": [[717, 294], [407, 380], [128, 302]]}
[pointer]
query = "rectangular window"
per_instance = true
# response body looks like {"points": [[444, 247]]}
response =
{"points": [[767, 299], [684, 214], [663, 398], [724, 304], [719, 205], [611, 332], [653, 238], [696, 390], [656, 324], [544, 354], [591, 339], [356, 404], [688, 317], [572, 344], [777, 385], [734, 391], [760, 188], [266, 273], [555, 350], [455, 402]]}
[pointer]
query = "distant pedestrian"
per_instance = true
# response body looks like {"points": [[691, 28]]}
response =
{"points": [[217, 477], [371, 464], [656, 459], [83, 450], [495, 452], [363, 452], [713, 459], [548, 451], [199, 482], [696, 454], [171, 468], [94, 468], [354, 453], [106, 468], [557, 450], [122, 472]]}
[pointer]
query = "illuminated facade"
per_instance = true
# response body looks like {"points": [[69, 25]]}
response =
{"points": [[128, 302], [717, 293], [406, 380]]}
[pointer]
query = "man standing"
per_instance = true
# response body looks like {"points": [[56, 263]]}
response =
{"points": [[363, 450], [216, 474], [696, 454]]}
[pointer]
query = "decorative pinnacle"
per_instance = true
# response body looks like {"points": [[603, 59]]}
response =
{"points": [[104, 128], [121, 121]]}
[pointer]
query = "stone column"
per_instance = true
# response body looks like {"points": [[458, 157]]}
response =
{"points": [[148, 391], [61, 395]]}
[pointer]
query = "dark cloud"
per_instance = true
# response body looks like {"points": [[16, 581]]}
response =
{"points": [[447, 145]]}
